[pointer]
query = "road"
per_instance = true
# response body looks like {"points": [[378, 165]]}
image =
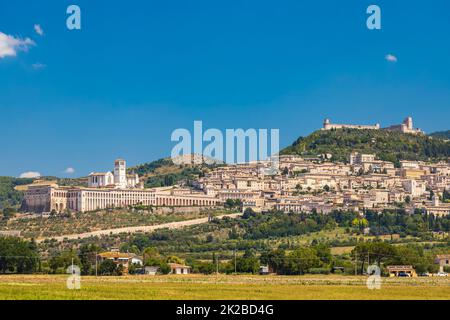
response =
{"points": [[136, 229]]}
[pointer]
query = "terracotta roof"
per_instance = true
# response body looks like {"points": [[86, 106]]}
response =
{"points": [[116, 255], [400, 268], [177, 265]]}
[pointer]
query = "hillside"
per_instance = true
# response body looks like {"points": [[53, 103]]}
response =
{"points": [[164, 172], [441, 134], [9, 196], [389, 146]]}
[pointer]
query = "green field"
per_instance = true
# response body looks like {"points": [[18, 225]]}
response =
{"points": [[221, 287]]}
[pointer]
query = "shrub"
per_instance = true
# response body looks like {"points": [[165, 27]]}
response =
{"points": [[320, 271]]}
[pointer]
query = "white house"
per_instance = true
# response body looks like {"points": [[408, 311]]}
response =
{"points": [[179, 268]]}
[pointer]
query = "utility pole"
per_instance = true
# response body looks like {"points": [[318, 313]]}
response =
{"points": [[96, 264], [235, 262], [217, 264], [356, 263]]}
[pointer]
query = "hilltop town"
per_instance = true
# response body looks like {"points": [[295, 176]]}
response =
{"points": [[300, 185]]}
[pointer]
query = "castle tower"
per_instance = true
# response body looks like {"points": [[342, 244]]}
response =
{"points": [[120, 173], [326, 123], [409, 123]]}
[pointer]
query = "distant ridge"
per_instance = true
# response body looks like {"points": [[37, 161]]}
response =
{"points": [[441, 134]]}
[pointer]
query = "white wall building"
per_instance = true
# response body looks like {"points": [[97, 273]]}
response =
{"points": [[120, 179]]}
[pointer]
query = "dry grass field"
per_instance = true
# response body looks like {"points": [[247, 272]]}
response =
{"points": [[50, 287]]}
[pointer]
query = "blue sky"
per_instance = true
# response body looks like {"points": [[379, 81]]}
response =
{"points": [[137, 70]]}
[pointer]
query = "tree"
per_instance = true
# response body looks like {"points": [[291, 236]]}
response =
{"points": [[174, 259], [107, 267], [132, 268], [233, 204], [360, 223], [164, 268], [17, 255], [120, 269], [380, 251], [275, 259], [446, 196], [248, 263], [408, 199], [61, 262], [301, 260], [87, 256], [248, 212], [324, 253], [361, 251], [373, 251], [9, 213], [151, 257]]}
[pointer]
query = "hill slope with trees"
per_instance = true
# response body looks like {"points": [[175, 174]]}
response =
{"points": [[441, 134], [389, 146]]}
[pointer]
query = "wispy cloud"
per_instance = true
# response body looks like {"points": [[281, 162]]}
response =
{"points": [[38, 66], [391, 58], [69, 170], [38, 29], [10, 45], [30, 174]]}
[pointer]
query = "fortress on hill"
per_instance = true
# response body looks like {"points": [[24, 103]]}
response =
{"points": [[406, 126]]}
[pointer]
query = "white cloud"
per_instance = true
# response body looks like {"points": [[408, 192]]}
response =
{"points": [[69, 170], [38, 66], [391, 58], [30, 174], [38, 29], [9, 45]]}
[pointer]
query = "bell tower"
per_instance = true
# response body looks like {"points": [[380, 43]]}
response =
{"points": [[120, 173]]}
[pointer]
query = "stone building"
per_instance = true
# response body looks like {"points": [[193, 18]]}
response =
{"points": [[327, 125], [120, 179]]}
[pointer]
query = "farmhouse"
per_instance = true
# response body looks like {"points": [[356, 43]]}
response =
{"points": [[124, 259], [397, 271], [443, 260], [179, 268]]}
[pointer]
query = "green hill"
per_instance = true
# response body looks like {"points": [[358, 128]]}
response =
{"points": [[9, 196], [389, 146], [441, 134], [163, 172]]}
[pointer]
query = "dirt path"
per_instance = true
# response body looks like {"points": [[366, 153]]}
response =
{"points": [[170, 225]]}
